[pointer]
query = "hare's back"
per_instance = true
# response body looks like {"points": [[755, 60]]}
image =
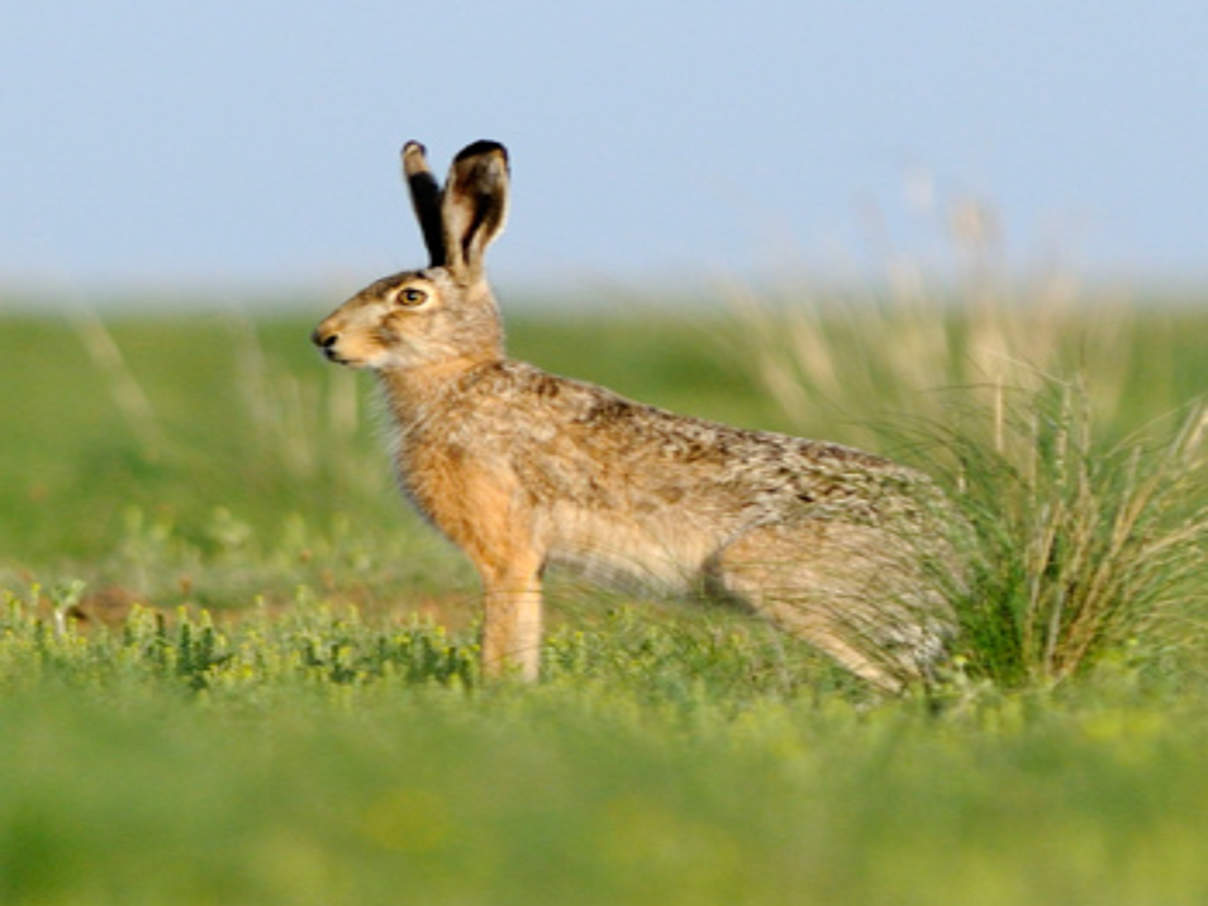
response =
{"points": [[583, 441]]}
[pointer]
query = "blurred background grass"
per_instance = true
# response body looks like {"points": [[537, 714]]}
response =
{"points": [[181, 415], [178, 416], [207, 459]]}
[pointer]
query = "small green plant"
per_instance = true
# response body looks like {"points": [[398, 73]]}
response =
{"points": [[310, 647]]}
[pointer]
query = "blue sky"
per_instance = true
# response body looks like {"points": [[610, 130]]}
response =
{"points": [[154, 141]]}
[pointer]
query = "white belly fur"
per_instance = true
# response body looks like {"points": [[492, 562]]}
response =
{"points": [[659, 551]]}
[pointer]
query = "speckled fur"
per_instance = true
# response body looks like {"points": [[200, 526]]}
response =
{"points": [[522, 469]]}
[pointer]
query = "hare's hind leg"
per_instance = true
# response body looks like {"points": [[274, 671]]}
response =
{"points": [[831, 584]]}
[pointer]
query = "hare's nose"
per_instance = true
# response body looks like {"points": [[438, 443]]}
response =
{"points": [[325, 341]]}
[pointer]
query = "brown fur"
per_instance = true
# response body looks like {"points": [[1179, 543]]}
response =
{"points": [[521, 469]]}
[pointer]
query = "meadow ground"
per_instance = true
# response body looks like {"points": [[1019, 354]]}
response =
{"points": [[235, 668]]}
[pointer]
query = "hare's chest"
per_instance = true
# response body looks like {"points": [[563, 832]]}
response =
{"points": [[470, 500]]}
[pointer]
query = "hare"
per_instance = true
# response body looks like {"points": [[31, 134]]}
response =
{"points": [[522, 469]]}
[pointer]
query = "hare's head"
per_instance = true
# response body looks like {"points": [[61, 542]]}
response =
{"points": [[444, 312]]}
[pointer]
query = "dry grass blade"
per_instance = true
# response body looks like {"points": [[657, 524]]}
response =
{"points": [[128, 394]]}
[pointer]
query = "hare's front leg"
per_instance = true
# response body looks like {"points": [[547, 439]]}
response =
{"points": [[511, 628], [483, 511]]}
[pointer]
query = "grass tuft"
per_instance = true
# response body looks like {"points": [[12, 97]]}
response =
{"points": [[1089, 515], [1082, 546]]}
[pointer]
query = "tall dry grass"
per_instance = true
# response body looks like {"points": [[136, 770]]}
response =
{"points": [[1088, 532]]}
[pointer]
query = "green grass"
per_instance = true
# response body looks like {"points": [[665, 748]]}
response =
{"points": [[264, 766], [235, 668]]}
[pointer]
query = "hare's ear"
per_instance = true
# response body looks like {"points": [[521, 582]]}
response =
{"points": [[425, 198], [474, 206]]}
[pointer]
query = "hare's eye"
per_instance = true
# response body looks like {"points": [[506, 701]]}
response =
{"points": [[412, 297]]}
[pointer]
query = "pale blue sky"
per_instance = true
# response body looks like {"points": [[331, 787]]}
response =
{"points": [[255, 142]]}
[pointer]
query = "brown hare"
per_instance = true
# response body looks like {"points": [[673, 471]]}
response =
{"points": [[523, 469]]}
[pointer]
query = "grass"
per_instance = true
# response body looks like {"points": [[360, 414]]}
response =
{"points": [[369, 773], [1085, 546], [234, 668]]}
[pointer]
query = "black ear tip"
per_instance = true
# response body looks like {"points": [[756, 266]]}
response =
{"points": [[482, 146], [414, 161]]}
